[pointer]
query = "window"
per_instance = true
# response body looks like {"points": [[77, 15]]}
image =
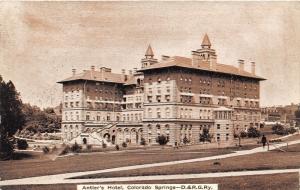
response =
{"points": [[158, 80], [149, 129], [158, 90], [87, 117], [158, 98], [218, 126], [150, 112], [167, 97], [168, 89], [158, 113], [168, 80], [227, 126], [167, 112]]}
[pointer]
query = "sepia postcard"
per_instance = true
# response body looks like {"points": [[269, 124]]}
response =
{"points": [[149, 95]]}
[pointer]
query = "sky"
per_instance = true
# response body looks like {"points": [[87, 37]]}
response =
{"points": [[40, 42]]}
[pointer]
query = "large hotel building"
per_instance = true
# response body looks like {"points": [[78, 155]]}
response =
{"points": [[177, 97]]}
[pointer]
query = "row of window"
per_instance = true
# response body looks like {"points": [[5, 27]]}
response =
{"points": [[132, 117]]}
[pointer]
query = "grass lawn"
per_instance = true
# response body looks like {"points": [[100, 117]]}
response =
{"points": [[288, 181], [39, 164], [259, 161]]}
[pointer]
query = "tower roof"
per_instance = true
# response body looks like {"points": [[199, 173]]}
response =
{"points": [[149, 51], [206, 41]]}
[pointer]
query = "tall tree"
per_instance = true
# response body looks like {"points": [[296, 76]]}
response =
{"points": [[12, 118]]}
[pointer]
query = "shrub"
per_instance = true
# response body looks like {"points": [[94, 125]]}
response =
{"points": [[65, 150], [76, 148], [117, 147], [46, 150], [104, 145], [89, 147], [243, 134], [124, 144], [185, 140], [204, 136], [162, 140], [279, 129], [22, 144], [54, 148], [253, 132], [143, 141], [291, 130]]}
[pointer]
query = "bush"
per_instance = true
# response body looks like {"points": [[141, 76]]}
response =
{"points": [[162, 140], [253, 133], [291, 130], [54, 148], [46, 150], [104, 145], [65, 150], [185, 140], [22, 144], [117, 147], [204, 136], [124, 144], [279, 130], [143, 141], [89, 147], [243, 134], [76, 148]]}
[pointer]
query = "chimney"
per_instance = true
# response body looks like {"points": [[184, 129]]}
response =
{"points": [[241, 64], [165, 57], [74, 71], [130, 72], [123, 72], [93, 68], [253, 68]]}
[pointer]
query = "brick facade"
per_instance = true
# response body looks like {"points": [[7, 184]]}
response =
{"points": [[177, 97]]}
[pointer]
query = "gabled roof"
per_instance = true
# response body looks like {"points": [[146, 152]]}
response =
{"points": [[96, 76], [184, 62]]}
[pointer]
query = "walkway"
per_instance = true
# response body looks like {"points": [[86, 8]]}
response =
{"points": [[63, 178]]}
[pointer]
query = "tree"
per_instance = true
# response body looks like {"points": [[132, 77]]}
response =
{"points": [[42, 121], [12, 118], [253, 132], [162, 140]]}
